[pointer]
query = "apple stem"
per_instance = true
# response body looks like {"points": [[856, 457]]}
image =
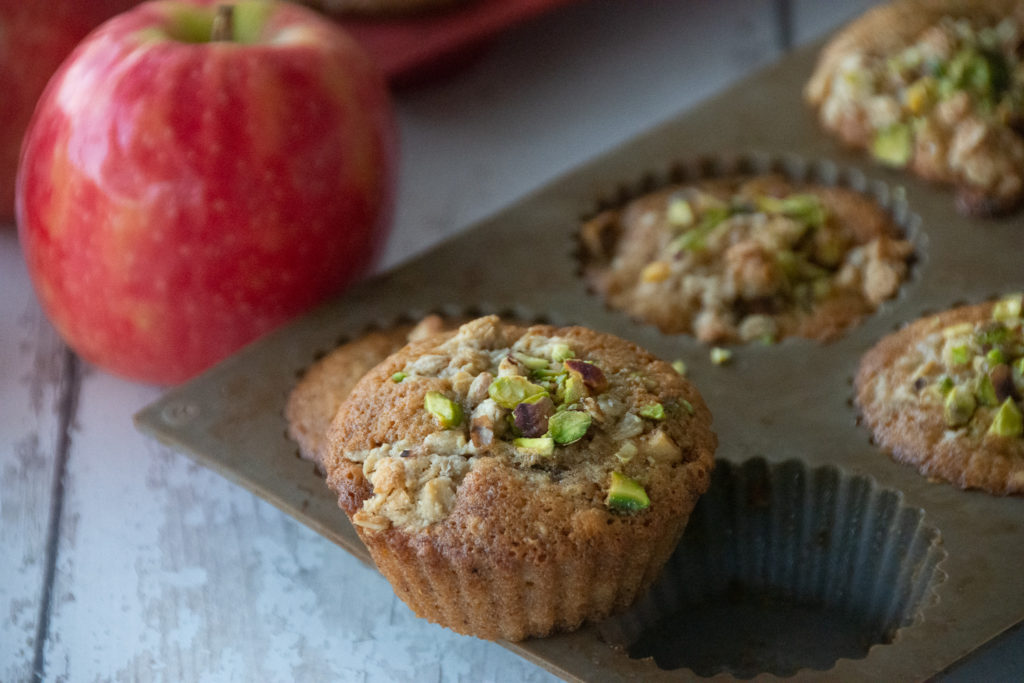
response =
{"points": [[223, 24]]}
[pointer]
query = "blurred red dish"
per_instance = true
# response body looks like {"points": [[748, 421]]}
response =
{"points": [[411, 50]]}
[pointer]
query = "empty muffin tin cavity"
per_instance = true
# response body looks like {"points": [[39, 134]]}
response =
{"points": [[783, 568]]}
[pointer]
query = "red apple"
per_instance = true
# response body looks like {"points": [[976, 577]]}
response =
{"points": [[35, 37], [178, 197]]}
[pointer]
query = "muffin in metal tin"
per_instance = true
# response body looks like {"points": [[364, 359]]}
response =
{"points": [[746, 258], [515, 481], [946, 394]]}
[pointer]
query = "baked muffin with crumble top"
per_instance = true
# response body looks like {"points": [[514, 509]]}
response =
{"points": [[946, 395], [936, 87], [746, 258], [516, 481]]}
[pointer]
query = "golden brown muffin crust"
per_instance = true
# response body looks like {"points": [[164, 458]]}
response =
{"points": [[952, 137], [784, 259], [908, 419], [314, 401], [517, 521]]}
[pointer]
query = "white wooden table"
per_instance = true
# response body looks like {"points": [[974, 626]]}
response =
{"points": [[122, 560]]}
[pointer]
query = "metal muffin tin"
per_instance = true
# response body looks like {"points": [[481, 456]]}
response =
{"points": [[787, 406]]}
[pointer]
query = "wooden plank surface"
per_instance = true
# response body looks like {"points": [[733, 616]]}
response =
{"points": [[33, 379]]}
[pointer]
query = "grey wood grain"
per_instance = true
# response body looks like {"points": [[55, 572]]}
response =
{"points": [[33, 368]]}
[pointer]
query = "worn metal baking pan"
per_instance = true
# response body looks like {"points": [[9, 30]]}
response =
{"points": [[782, 404]]}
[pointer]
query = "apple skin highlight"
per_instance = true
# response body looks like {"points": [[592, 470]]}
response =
{"points": [[176, 200]]}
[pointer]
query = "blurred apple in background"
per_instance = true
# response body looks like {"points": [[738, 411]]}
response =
{"points": [[35, 37], [178, 197]]}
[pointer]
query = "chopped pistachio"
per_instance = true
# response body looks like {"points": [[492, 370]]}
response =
{"points": [[679, 366], [543, 445], [691, 240], [398, 377], [920, 95], [531, 416], [626, 494], [560, 352], [654, 411], [959, 406], [985, 391], [656, 271], [945, 384], [593, 376], [531, 362], [893, 145], [1008, 420], [680, 213], [995, 357], [687, 406], [447, 411], [959, 355], [992, 333], [720, 356], [804, 207], [572, 389], [1008, 308], [511, 390], [569, 426]]}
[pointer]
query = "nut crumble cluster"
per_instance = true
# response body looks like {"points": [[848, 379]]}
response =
{"points": [[949, 105], [532, 403], [745, 260]]}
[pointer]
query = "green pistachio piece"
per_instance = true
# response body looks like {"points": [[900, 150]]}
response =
{"points": [[531, 362], [542, 445], [1008, 308], [655, 411], [945, 384], [720, 356], [805, 207], [992, 333], [625, 494], [447, 411], [569, 426], [398, 377], [1008, 420], [893, 145], [572, 389], [995, 357], [561, 352], [509, 391], [985, 391], [959, 406], [680, 213], [679, 366], [593, 377], [691, 240], [687, 406], [960, 355]]}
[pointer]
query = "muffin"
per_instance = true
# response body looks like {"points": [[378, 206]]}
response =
{"points": [[945, 394], [515, 481], [326, 384], [742, 259], [934, 86]]}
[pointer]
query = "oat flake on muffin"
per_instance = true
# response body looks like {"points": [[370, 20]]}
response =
{"points": [[935, 86], [946, 394], [514, 481], [746, 259]]}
